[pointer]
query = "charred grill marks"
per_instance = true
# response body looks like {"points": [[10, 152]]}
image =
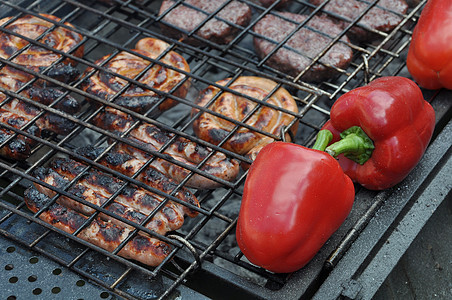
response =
{"points": [[103, 234]]}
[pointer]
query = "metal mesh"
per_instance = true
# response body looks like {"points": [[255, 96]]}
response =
{"points": [[205, 246]]}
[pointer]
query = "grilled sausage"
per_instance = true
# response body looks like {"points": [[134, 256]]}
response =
{"points": [[189, 153], [71, 168], [130, 166], [19, 147], [215, 129], [48, 121], [106, 85], [302, 47], [385, 16], [133, 204], [185, 17], [37, 58], [106, 235]]}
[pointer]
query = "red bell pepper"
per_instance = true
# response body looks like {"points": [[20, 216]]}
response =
{"points": [[430, 54], [394, 125], [294, 199]]}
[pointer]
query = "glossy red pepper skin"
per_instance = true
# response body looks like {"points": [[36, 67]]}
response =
{"points": [[430, 54], [294, 199], [395, 116]]}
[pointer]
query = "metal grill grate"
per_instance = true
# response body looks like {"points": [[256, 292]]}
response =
{"points": [[205, 257]]}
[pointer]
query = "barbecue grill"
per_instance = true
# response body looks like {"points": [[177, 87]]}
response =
{"points": [[38, 259]]}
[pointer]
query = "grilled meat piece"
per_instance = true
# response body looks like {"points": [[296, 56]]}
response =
{"points": [[71, 168], [385, 16], [37, 58], [133, 203], [106, 235], [151, 176], [184, 151], [19, 147], [106, 85], [186, 16], [244, 141], [48, 121], [268, 3], [306, 44], [153, 138]]}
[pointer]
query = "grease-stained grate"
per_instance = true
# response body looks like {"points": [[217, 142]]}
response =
{"points": [[205, 259]]}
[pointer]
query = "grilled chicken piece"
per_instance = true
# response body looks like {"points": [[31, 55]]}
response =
{"points": [[48, 121], [183, 150], [107, 85], [106, 235], [244, 141], [37, 58], [20, 146]]}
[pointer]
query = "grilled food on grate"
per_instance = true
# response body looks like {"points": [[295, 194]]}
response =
{"points": [[106, 235], [15, 47], [108, 86], [268, 3], [133, 203], [18, 147], [18, 113], [385, 16], [14, 81], [182, 150], [236, 106], [186, 17], [297, 54], [35, 57], [96, 189], [129, 166]]}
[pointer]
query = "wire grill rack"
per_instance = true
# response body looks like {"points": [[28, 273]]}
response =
{"points": [[205, 257]]}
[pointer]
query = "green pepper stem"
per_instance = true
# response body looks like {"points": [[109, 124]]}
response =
{"points": [[323, 138], [355, 145]]}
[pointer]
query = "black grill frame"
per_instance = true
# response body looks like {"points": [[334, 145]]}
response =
{"points": [[196, 264]]}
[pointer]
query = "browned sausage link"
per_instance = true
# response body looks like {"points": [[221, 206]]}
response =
{"points": [[48, 121], [132, 196], [189, 153], [71, 168], [129, 166], [108, 236], [162, 222], [49, 95], [113, 120], [17, 121], [106, 85], [185, 151], [37, 58], [16, 149], [20, 146], [215, 129]]}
